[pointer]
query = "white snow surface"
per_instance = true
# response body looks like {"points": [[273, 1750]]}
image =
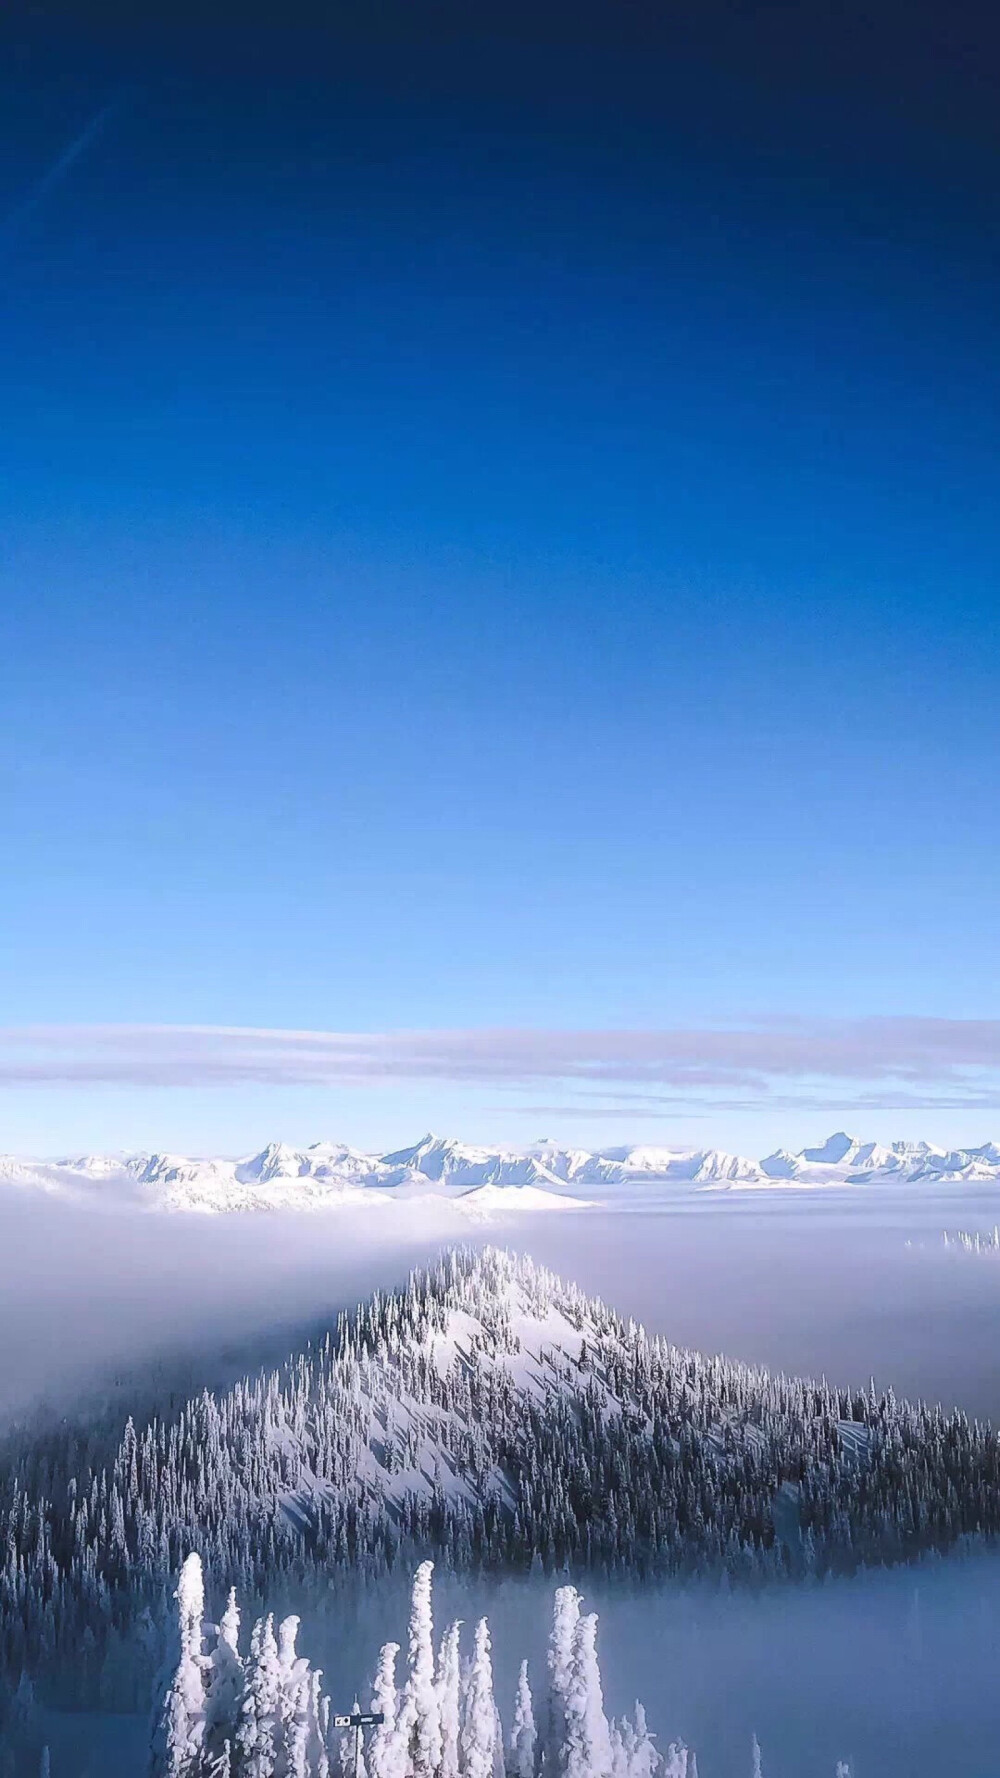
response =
{"points": [[478, 1181]]}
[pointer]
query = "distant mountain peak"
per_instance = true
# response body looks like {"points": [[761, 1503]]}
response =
{"points": [[835, 1149]]}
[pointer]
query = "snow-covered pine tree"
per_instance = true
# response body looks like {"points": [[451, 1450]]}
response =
{"points": [[641, 1757], [559, 1658], [587, 1752], [256, 1739], [523, 1734], [319, 1726], [619, 1751], [290, 1704], [386, 1753], [419, 1716], [479, 1713], [449, 1691], [677, 1761], [225, 1680], [180, 1737]]}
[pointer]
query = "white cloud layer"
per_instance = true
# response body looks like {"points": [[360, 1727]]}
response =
{"points": [[860, 1063]]}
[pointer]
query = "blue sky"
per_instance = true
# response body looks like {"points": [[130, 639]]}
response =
{"points": [[495, 540]]}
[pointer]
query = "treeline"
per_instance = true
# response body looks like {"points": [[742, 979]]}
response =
{"points": [[488, 1416]]}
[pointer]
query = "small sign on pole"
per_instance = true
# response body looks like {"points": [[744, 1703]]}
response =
{"points": [[357, 1720]]}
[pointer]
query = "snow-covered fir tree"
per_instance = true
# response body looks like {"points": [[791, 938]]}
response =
{"points": [[420, 1713], [449, 1692], [587, 1746], [523, 1734], [478, 1734], [639, 1758], [384, 1756], [559, 1658], [679, 1762], [181, 1730]]}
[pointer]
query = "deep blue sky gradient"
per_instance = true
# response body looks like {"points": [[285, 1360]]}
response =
{"points": [[499, 523]]}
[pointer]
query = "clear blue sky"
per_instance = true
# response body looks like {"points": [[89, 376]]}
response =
{"points": [[496, 528]]}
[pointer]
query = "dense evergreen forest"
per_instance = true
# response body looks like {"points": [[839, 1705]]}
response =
{"points": [[487, 1415]]}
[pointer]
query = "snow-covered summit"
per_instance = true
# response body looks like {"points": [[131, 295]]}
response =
{"points": [[443, 1160], [837, 1148]]}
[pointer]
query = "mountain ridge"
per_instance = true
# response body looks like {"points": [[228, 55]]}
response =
{"points": [[542, 1175], [493, 1416]]}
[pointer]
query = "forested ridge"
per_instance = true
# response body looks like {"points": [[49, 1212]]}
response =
{"points": [[492, 1417]]}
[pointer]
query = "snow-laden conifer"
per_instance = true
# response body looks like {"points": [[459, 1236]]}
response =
{"points": [[181, 1737], [318, 1761], [386, 1753], [256, 1741], [587, 1751], [449, 1692], [523, 1734], [640, 1758], [296, 1725], [619, 1751], [419, 1716], [677, 1761], [225, 1677], [479, 1725], [565, 1618]]}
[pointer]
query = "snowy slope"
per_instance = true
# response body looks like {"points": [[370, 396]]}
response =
{"points": [[495, 1417], [328, 1175]]}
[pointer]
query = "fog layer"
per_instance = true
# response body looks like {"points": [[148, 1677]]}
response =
{"points": [[845, 1284]]}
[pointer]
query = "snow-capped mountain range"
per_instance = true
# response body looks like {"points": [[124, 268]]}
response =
{"points": [[544, 1176]]}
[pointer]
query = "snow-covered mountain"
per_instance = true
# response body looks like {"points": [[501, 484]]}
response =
{"points": [[489, 1415], [480, 1179], [279, 1177], [844, 1159]]}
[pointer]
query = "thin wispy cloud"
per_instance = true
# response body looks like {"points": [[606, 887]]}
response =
{"points": [[874, 1063], [56, 173]]}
